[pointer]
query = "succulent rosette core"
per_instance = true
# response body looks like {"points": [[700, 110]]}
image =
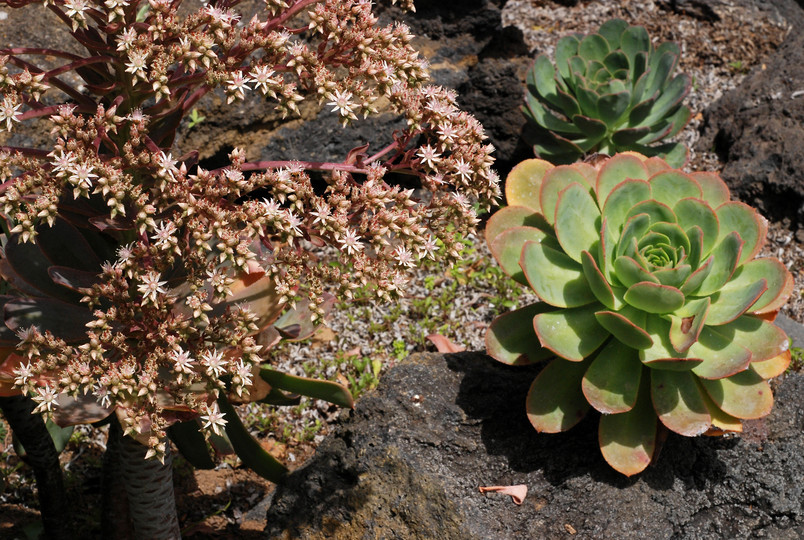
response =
{"points": [[653, 308]]}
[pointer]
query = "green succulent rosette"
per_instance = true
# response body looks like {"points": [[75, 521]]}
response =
{"points": [[654, 310], [608, 92]]}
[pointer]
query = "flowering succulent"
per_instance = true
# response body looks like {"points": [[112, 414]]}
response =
{"points": [[609, 92], [141, 282], [651, 300]]}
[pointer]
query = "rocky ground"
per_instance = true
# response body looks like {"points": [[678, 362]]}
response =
{"points": [[723, 43]]}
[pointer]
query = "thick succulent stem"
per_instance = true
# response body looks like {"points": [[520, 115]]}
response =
{"points": [[115, 518], [41, 454], [149, 488]]}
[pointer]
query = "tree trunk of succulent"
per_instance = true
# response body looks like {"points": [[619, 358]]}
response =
{"points": [[115, 518], [149, 489], [31, 431]]}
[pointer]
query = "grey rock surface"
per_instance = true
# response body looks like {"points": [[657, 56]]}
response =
{"points": [[757, 129], [409, 460]]}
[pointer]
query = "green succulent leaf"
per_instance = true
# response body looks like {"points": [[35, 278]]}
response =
{"points": [[556, 278], [507, 249], [555, 401], [721, 356], [725, 257], [740, 218], [612, 107], [628, 440], [764, 340], [732, 301], [545, 118], [510, 217], [511, 338], [555, 181], [524, 182], [314, 388], [190, 441], [692, 212], [778, 278], [612, 30], [629, 272], [566, 48], [744, 395], [616, 170], [572, 333], [679, 403], [611, 383], [622, 198], [627, 326], [661, 354], [685, 328], [715, 190], [250, 452], [598, 284], [670, 187], [577, 221], [593, 129], [656, 211], [653, 298]]}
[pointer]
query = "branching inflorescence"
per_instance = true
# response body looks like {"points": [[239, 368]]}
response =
{"points": [[177, 245]]}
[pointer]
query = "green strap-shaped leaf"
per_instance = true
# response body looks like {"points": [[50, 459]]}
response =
{"points": [[191, 443], [670, 187], [745, 221], [628, 440], [577, 221], [555, 181], [572, 333], [679, 403], [524, 183], [627, 325], [555, 401], [314, 388], [511, 338], [611, 383], [779, 280], [725, 255], [745, 395], [279, 398], [247, 448], [507, 249], [622, 198], [557, 279]]}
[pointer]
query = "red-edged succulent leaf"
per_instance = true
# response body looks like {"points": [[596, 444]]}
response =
{"points": [[555, 401], [696, 213], [715, 190], [555, 277], [523, 184], [745, 395], [654, 298], [555, 181], [598, 284], [577, 221], [614, 171], [779, 280], [722, 423], [629, 272], [658, 212], [627, 326], [507, 249], [572, 333], [678, 402], [773, 367], [685, 329], [740, 218], [732, 301], [511, 338], [622, 198], [510, 217], [655, 165], [763, 339], [671, 186], [661, 354], [721, 356], [725, 255], [611, 383], [628, 440]]}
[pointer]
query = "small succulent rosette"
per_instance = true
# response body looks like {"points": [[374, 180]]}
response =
{"points": [[609, 91], [654, 310]]}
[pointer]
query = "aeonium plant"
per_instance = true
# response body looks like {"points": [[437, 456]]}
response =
{"points": [[142, 284], [654, 309]]}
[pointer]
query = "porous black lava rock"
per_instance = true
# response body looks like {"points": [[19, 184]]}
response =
{"points": [[408, 461], [758, 128]]}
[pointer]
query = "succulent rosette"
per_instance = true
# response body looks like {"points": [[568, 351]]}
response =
{"points": [[609, 91], [654, 310]]}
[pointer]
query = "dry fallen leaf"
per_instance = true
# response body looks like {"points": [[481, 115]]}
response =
{"points": [[517, 492], [444, 345]]}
